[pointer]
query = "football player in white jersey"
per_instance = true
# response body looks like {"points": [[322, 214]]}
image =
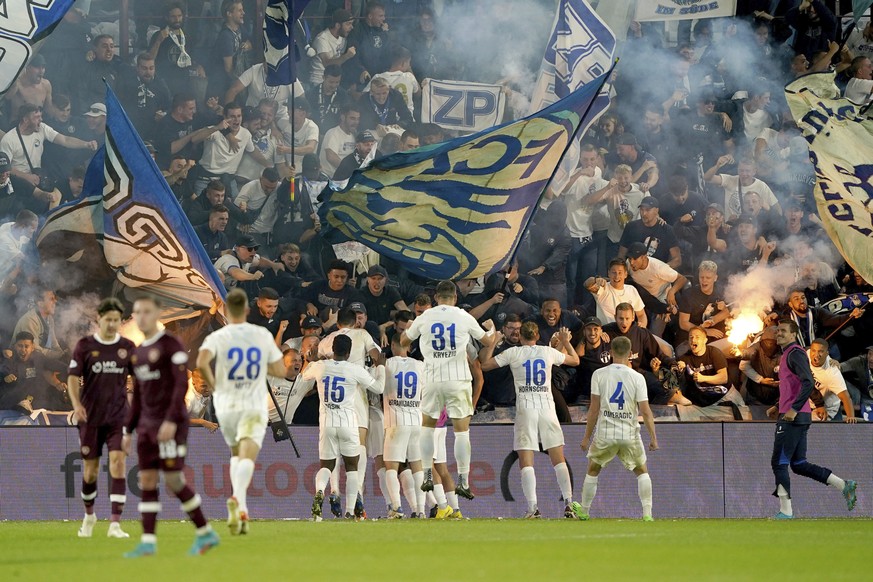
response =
{"points": [[536, 420], [445, 331], [618, 394], [362, 347], [404, 383], [338, 383], [244, 354]]}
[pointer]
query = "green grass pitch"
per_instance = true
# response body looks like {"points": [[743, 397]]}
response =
{"points": [[503, 550]]}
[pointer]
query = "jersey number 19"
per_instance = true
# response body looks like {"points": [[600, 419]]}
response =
{"points": [[407, 384]]}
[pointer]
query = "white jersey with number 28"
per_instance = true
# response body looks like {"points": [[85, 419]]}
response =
{"points": [[243, 352]]}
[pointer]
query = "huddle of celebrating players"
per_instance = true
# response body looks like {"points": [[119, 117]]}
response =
{"points": [[406, 424]]}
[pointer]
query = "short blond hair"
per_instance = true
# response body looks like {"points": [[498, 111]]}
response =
{"points": [[622, 169]]}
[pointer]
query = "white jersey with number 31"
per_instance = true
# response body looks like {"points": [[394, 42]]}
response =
{"points": [[445, 332], [243, 352], [621, 389]]}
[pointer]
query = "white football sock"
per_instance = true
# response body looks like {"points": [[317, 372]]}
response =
{"points": [[644, 488], [386, 494], [362, 468], [351, 491], [334, 478], [407, 482], [589, 490], [429, 497], [426, 447], [321, 479], [392, 484], [418, 479], [452, 500], [440, 495], [529, 486], [784, 501], [463, 451], [836, 483], [241, 481], [564, 484], [234, 463]]}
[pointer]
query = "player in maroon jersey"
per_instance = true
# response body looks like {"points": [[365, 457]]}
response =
{"points": [[160, 419], [97, 385]]}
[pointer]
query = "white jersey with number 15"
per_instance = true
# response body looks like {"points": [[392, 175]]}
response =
{"points": [[243, 352], [445, 332]]}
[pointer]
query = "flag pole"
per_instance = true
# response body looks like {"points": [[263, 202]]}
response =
{"points": [[283, 424], [291, 55], [512, 257]]}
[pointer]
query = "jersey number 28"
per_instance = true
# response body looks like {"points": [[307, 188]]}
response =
{"points": [[251, 359]]}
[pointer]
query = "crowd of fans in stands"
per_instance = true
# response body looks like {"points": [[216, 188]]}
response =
{"points": [[695, 175]]}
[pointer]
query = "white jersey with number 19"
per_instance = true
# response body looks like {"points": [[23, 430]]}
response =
{"points": [[404, 382], [445, 332], [621, 389], [243, 352]]}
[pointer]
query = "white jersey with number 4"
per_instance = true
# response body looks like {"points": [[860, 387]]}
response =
{"points": [[243, 352], [404, 380], [621, 389], [338, 383], [445, 332], [531, 368]]}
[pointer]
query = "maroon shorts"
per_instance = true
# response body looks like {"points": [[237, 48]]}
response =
{"points": [[167, 456], [92, 438]]}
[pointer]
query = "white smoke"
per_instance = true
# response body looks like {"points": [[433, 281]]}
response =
{"points": [[75, 317]]}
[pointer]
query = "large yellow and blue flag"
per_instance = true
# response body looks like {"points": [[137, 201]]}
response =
{"points": [[459, 208]]}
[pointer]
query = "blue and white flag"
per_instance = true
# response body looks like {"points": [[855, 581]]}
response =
{"points": [[459, 208], [127, 233], [460, 106], [280, 51], [22, 24], [580, 49]]}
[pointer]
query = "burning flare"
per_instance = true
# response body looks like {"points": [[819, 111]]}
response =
{"points": [[744, 325], [130, 331]]}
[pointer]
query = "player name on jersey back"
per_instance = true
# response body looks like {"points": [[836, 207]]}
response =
{"points": [[445, 333], [621, 389]]}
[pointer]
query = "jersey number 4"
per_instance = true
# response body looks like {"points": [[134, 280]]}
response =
{"points": [[407, 384], [618, 396], [439, 337], [251, 359]]}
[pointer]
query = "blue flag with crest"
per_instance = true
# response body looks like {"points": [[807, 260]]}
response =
{"points": [[280, 51], [127, 233], [23, 23], [459, 208]]}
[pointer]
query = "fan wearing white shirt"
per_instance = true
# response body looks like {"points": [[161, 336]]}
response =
{"points": [[536, 420], [744, 181], [255, 79], [225, 146], [659, 282], [608, 293], [243, 354], [860, 85], [339, 141], [445, 331], [831, 385], [338, 383]]}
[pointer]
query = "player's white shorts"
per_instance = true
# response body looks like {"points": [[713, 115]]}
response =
{"points": [[376, 435], [362, 409], [631, 453], [456, 397], [534, 426], [439, 445], [334, 441], [402, 443], [242, 424]]}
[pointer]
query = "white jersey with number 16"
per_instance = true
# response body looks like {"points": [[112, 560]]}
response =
{"points": [[621, 389], [445, 331], [243, 352], [531, 368]]}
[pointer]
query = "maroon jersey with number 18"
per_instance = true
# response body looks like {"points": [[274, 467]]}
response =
{"points": [[161, 381], [103, 368]]}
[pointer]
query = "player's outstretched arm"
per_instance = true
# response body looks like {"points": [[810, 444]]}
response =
{"points": [[571, 358], [649, 421], [591, 421]]}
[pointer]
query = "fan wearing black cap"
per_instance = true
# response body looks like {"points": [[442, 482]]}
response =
{"points": [[643, 164], [701, 136], [365, 141], [657, 283], [241, 264], [661, 243], [749, 249], [380, 300], [593, 352]]}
